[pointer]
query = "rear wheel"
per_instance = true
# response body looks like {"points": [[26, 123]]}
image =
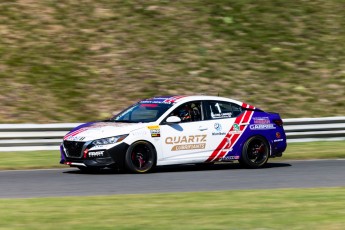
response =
{"points": [[140, 157], [255, 152]]}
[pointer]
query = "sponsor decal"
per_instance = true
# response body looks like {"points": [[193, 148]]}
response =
{"points": [[154, 130], [278, 140], [174, 99], [229, 158], [74, 138], [278, 135], [221, 115], [261, 126], [186, 142], [96, 154], [185, 139], [236, 127], [218, 133], [261, 120], [188, 147], [218, 128], [162, 100], [155, 102]]}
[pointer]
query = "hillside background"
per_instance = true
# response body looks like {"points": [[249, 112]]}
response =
{"points": [[74, 61]]}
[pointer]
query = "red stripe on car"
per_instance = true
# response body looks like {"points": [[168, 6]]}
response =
{"points": [[219, 152], [224, 141]]}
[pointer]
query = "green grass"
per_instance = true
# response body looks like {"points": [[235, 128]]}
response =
{"points": [[315, 150], [50, 159], [66, 61], [317, 208], [30, 160]]}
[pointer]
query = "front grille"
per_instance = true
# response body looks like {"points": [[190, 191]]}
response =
{"points": [[73, 148]]}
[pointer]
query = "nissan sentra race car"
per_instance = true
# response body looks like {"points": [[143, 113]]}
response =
{"points": [[171, 130]]}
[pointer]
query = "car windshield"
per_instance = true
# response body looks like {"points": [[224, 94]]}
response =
{"points": [[142, 112]]}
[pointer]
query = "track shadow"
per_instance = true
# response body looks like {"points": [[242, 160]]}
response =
{"points": [[276, 165], [98, 172], [181, 168], [213, 167]]}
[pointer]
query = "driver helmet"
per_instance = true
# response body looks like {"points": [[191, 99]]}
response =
{"points": [[184, 114]]}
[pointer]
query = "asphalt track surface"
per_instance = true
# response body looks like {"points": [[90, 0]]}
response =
{"points": [[71, 182]]}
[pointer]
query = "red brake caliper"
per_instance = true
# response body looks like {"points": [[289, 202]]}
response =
{"points": [[260, 149], [140, 159], [257, 150]]}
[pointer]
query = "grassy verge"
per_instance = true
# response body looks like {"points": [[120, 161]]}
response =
{"points": [[83, 61], [319, 208], [50, 159], [315, 150], [30, 160]]}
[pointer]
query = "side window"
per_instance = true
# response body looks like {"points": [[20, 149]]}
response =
{"points": [[190, 111], [221, 109], [236, 110]]}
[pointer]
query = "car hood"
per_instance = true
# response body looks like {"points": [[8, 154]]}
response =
{"points": [[96, 130]]}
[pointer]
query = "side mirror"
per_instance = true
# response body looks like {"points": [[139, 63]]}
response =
{"points": [[173, 119]]}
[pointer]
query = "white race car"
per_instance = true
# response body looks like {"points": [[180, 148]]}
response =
{"points": [[176, 130]]}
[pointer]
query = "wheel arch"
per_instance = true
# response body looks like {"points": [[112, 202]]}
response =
{"points": [[152, 145], [147, 140], [260, 159], [128, 161], [251, 136]]}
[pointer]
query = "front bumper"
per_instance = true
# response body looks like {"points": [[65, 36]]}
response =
{"points": [[113, 157]]}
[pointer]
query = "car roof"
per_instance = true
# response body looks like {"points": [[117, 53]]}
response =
{"points": [[184, 98]]}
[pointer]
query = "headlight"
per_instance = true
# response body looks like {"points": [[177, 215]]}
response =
{"points": [[109, 140]]}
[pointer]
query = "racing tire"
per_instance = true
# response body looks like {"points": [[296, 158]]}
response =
{"points": [[255, 152], [140, 157]]}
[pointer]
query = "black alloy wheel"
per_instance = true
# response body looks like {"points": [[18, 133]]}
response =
{"points": [[255, 152], [140, 157]]}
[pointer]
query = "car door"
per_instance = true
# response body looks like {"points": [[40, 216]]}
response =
{"points": [[185, 142], [223, 127]]}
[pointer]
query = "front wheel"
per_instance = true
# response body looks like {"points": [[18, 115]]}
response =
{"points": [[255, 152], [140, 157]]}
